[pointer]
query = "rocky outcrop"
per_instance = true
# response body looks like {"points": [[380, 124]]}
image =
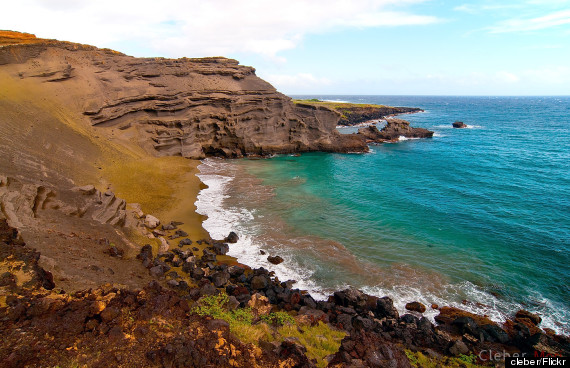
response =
{"points": [[184, 107], [394, 129], [354, 114], [459, 124], [20, 203]]}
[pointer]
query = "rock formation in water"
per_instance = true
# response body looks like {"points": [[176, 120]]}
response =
{"points": [[394, 129], [459, 124]]}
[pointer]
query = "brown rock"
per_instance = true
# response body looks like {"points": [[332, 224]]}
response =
{"points": [[534, 318], [275, 259], [416, 307], [394, 129], [459, 124]]}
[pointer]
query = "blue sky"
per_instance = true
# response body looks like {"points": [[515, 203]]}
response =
{"points": [[426, 47]]}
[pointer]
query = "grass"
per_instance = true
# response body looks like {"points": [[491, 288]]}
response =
{"points": [[335, 105], [320, 340], [418, 360]]}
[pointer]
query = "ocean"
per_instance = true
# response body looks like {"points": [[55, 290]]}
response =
{"points": [[477, 218]]}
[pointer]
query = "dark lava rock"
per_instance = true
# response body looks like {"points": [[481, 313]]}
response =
{"points": [[208, 256], [232, 238], [157, 271], [416, 307], [394, 129], [220, 248], [236, 271], [169, 226], [367, 349], [220, 279], [459, 124], [184, 242], [275, 259], [145, 253], [260, 282], [181, 233], [385, 308], [208, 289]]}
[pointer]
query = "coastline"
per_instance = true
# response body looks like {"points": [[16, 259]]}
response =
{"points": [[247, 252]]}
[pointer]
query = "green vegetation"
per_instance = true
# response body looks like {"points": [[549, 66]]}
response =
{"points": [[278, 318], [463, 361], [320, 340], [336, 105]]}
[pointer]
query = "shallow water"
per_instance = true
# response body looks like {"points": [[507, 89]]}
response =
{"points": [[477, 218]]}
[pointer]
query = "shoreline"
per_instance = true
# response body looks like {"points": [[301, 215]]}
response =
{"points": [[251, 258]]}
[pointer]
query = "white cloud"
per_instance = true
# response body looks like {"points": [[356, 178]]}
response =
{"points": [[199, 27], [507, 77], [559, 75], [300, 81], [553, 19]]}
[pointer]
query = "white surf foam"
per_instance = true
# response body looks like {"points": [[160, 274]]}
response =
{"points": [[221, 219]]}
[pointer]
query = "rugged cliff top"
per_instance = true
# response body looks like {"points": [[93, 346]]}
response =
{"points": [[353, 114]]}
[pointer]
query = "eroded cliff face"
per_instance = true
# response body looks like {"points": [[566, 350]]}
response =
{"points": [[187, 107]]}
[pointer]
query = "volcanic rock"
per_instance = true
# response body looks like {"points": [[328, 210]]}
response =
{"points": [[394, 129], [416, 307], [459, 124], [275, 259]]}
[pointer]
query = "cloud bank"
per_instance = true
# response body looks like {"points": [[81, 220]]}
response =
{"points": [[201, 28]]}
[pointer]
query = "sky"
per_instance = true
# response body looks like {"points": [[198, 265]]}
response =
{"points": [[384, 47]]}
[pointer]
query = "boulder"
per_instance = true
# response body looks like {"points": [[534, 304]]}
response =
{"points": [[275, 260], [220, 278], [151, 222], [232, 238], [459, 124], [534, 318], [385, 308], [220, 248], [260, 282], [416, 307], [259, 305]]}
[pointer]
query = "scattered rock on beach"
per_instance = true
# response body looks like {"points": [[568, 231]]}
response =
{"points": [[151, 222], [232, 238]]}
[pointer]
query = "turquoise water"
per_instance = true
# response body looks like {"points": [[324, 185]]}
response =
{"points": [[478, 217]]}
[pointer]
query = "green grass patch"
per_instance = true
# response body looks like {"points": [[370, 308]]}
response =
{"points": [[419, 360], [339, 106], [320, 340]]}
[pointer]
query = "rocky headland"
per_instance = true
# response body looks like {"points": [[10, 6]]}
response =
{"points": [[103, 261], [354, 114]]}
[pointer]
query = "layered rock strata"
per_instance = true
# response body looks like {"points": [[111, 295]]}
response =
{"points": [[188, 107]]}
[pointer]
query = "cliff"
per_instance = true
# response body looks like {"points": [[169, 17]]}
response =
{"points": [[171, 107]]}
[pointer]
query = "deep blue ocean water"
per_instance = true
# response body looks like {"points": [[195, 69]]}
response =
{"points": [[477, 217]]}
